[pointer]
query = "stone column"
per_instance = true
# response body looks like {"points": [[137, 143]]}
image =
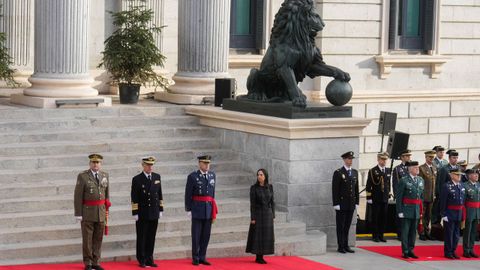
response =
{"points": [[203, 47], [17, 24], [61, 54]]}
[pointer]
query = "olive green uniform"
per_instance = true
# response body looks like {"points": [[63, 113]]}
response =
{"points": [[472, 194]]}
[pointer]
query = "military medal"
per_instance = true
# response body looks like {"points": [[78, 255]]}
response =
{"points": [[343, 176]]}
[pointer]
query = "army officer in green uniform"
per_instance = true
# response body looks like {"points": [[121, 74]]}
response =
{"points": [[472, 205], [91, 202], [409, 204]]}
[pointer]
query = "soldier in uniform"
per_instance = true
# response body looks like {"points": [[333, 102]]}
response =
{"points": [[91, 201], [477, 166], [452, 200], [147, 208], [409, 205], [398, 173], [472, 205], [428, 172], [443, 176], [439, 161], [378, 193], [345, 199], [201, 207]]}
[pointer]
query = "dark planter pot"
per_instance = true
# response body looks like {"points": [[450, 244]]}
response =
{"points": [[129, 93]]}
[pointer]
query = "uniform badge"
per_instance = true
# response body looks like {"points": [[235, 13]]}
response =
{"points": [[343, 176], [157, 182], [212, 182], [104, 182]]}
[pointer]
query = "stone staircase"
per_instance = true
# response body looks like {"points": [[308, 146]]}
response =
{"points": [[42, 151]]}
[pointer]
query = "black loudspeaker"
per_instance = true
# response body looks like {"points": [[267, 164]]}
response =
{"points": [[387, 122], [397, 142], [224, 88]]}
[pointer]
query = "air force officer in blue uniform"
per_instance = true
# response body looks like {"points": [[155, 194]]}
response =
{"points": [[201, 207]]}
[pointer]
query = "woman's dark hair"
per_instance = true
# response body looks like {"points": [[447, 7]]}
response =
{"points": [[264, 173]]}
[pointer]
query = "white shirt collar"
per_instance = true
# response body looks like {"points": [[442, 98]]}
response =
{"points": [[93, 173], [381, 168], [146, 174], [347, 168]]}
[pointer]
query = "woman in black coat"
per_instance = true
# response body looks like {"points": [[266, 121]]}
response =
{"points": [[262, 209]]}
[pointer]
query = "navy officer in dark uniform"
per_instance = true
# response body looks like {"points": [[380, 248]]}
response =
{"points": [[452, 200], [345, 199], [147, 208], [201, 207]]}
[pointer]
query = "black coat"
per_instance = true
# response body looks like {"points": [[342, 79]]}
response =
{"points": [[261, 239], [345, 189], [378, 185], [146, 195]]}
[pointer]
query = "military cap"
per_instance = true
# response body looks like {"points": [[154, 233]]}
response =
{"points": [[438, 148], [348, 154], [95, 157], [149, 160], [452, 153], [406, 152], [383, 155], [430, 153], [411, 163], [470, 171], [205, 158], [462, 163], [455, 171]]}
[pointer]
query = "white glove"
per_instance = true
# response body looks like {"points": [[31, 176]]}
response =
{"points": [[369, 201], [189, 214], [400, 215], [161, 214], [445, 219], [356, 207], [336, 207], [135, 217], [78, 218]]}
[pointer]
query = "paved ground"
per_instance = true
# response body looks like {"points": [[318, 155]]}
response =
{"points": [[363, 259]]}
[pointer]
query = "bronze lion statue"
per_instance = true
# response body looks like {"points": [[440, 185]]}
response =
{"points": [[291, 55]]}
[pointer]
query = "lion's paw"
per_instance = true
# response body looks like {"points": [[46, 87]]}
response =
{"points": [[299, 102]]}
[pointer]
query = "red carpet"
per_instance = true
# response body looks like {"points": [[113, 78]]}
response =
{"points": [[425, 253], [243, 263]]}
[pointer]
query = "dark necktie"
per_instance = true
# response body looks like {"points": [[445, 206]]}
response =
{"points": [[149, 177], [96, 177], [383, 170], [350, 172]]}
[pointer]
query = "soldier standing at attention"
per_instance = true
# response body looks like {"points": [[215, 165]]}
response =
{"points": [[378, 193], [345, 199], [201, 207], [472, 205], [452, 200], [409, 206], [439, 161], [398, 173], [428, 172], [443, 176], [91, 202], [147, 208]]}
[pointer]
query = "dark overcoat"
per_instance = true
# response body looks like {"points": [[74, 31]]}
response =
{"points": [[261, 239]]}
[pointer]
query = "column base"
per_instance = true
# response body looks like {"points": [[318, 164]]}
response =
{"points": [[60, 87], [181, 98], [49, 103]]}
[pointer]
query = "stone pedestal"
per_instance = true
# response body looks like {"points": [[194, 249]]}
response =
{"points": [[299, 154], [61, 54], [203, 46]]}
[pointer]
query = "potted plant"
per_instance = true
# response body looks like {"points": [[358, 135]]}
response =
{"points": [[130, 52], [6, 73]]}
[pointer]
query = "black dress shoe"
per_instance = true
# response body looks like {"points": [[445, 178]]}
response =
{"points": [[430, 237], [341, 250], [88, 267], [455, 256], [376, 240], [412, 255], [449, 256], [349, 250], [152, 264], [473, 255], [383, 240], [258, 261], [423, 237], [97, 267], [142, 265], [467, 255], [195, 262], [405, 256], [205, 262]]}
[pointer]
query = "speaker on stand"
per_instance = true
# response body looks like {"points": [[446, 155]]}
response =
{"points": [[386, 123], [224, 88]]}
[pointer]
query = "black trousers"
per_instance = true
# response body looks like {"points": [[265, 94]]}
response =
{"points": [[379, 219], [146, 232], [452, 235], [200, 237], [343, 220]]}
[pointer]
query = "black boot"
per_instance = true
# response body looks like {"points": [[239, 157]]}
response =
{"points": [[260, 259]]}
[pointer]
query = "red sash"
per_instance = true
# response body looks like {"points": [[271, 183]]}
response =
{"points": [[472, 204], [416, 202], [460, 208], [100, 202], [208, 199]]}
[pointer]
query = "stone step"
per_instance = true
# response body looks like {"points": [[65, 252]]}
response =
{"points": [[313, 243], [103, 146], [117, 213], [73, 160], [120, 227], [116, 170], [31, 188], [67, 247], [100, 133], [96, 122]]}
